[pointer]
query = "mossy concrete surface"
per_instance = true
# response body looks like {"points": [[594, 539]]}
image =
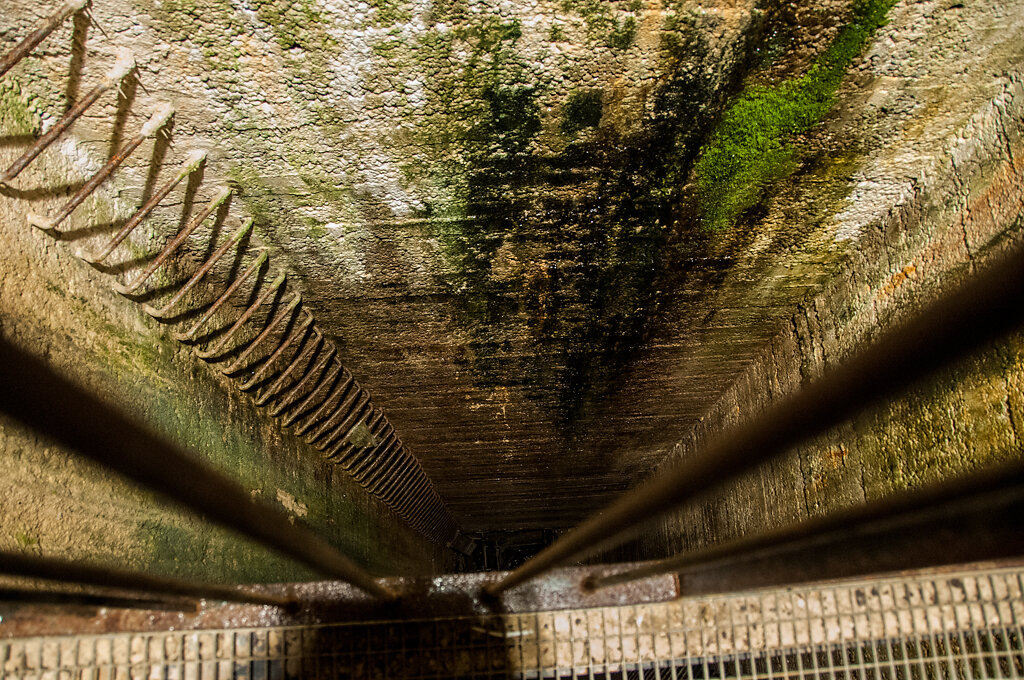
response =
{"points": [[966, 210], [550, 236], [53, 502]]}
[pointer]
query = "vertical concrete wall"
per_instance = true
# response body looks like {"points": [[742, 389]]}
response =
{"points": [[964, 208], [63, 310]]}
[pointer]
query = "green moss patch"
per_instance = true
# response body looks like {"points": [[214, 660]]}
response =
{"points": [[752, 145], [582, 110], [15, 117], [296, 24]]}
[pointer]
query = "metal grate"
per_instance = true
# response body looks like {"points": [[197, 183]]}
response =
{"points": [[955, 625]]}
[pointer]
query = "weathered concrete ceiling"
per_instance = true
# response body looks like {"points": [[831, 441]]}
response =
{"points": [[531, 227]]}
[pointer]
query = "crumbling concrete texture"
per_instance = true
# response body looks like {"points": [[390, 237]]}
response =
{"points": [[53, 304], [935, 198], [530, 227], [53, 503]]}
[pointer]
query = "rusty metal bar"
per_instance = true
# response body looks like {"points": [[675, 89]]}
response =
{"points": [[340, 388], [122, 66], [325, 382], [190, 334], [344, 406], [370, 454], [381, 462], [361, 463], [191, 164], [219, 346], [128, 288], [417, 492], [161, 312], [311, 347], [50, 569], [394, 484], [346, 453], [45, 28], [66, 598], [285, 313], [390, 457], [28, 391], [335, 442], [367, 462], [295, 391], [387, 457], [297, 332], [340, 433], [977, 517], [156, 121], [983, 309], [374, 421], [422, 510], [317, 344]]}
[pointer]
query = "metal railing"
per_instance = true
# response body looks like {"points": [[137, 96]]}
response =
{"points": [[986, 308], [88, 426]]}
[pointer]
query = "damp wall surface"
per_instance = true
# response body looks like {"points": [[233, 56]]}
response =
{"points": [[59, 308], [452, 185], [557, 239], [933, 203]]}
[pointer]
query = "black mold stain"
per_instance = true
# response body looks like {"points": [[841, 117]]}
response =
{"points": [[566, 261]]}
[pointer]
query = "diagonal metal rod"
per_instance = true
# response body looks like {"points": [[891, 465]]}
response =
{"points": [[124, 64], [297, 332], [28, 391], [284, 314], [161, 312], [219, 346], [974, 518], [379, 462], [325, 382], [157, 121], [339, 389], [78, 599], [340, 433], [388, 455], [45, 28], [314, 372], [315, 343], [346, 451], [191, 164], [356, 463], [394, 483], [983, 309], [344, 405], [190, 334], [367, 460], [128, 288], [50, 569], [392, 487]]}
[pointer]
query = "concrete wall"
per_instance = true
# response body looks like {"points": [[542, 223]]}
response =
{"points": [[525, 226], [963, 207], [60, 308]]}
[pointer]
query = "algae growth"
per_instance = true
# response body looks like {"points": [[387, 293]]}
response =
{"points": [[555, 249], [752, 145]]}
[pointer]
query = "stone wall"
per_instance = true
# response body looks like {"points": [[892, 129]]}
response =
{"points": [[556, 238], [58, 307], [963, 207]]}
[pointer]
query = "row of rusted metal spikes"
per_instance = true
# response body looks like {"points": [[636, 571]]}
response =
{"points": [[308, 389]]}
